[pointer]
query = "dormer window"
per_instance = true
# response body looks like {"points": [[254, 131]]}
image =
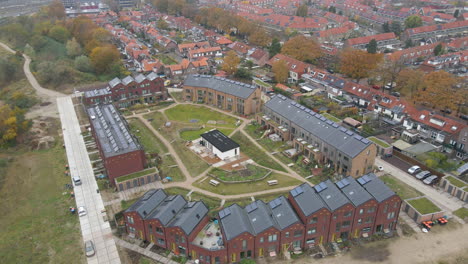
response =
{"points": [[422, 117]]}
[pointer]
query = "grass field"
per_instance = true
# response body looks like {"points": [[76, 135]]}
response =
{"points": [[254, 171], [255, 153], [402, 189], [211, 202], [194, 134], [36, 224], [462, 213], [187, 113], [239, 188], [424, 206], [152, 144]]}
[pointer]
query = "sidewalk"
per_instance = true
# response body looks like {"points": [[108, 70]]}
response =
{"points": [[144, 251]]}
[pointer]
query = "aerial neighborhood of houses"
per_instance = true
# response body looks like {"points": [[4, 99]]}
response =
{"points": [[309, 128]]}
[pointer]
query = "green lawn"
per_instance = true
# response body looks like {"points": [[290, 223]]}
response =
{"points": [[241, 202], [178, 96], [456, 182], [379, 142], [136, 175], [332, 117], [36, 224], [211, 202], [194, 134], [269, 197], [152, 144], [240, 188], [424, 206], [462, 213], [255, 153], [187, 113], [254, 172], [402, 189]]}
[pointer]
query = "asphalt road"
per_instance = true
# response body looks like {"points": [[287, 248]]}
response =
{"points": [[93, 226]]}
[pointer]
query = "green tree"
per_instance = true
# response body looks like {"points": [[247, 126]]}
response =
{"points": [[372, 46], [408, 43], [386, 27], [73, 48], [161, 5], [456, 13], [243, 73], [83, 64], [275, 47], [395, 27], [59, 33], [302, 10], [413, 21], [438, 50], [332, 9], [162, 24]]}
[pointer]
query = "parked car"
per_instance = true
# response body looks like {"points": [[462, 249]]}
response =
{"points": [[414, 169], [81, 211], [423, 175], [375, 87], [431, 179], [89, 248], [396, 94]]}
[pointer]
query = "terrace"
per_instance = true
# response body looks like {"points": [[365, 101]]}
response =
{"points": [[210, 237]]}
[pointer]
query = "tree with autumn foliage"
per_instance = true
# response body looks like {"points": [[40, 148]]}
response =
{"points": [[439, 91], [12, 124], [358, 64], [56, 10], [104, 58], [231, 62], [281, 71], [302, 48], [409, 81], [260, 37]]}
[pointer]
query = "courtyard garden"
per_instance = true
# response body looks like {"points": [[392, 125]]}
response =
{"points": [[250, 173]]}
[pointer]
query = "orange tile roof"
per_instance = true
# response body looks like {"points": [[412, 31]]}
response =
{"points": [[367, 39], [418, 30]]}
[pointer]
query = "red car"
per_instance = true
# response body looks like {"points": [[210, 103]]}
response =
{"points": [[376, 87]]}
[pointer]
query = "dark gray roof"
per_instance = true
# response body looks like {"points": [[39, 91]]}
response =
{"points": [[234, 221], [331, 195], [342, 139], [307, 199], [283, 213], [260, 216], [353, 191], [220, 141], [376, 187], [168, 209], [112, 132], [238, 89], [97, 92], [148, 202], [190, 216]]}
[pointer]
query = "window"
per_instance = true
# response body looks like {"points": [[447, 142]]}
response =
{"points": [[311, 231], [395, 205], [131, 229], [287, 234], [371, 209], [338, 227], [297, 233], [160, 241], [159, 230], [359, 221], [385, 208], [297, 244], [391, 215], [261, 240], [346, 224], [369, 219], [361, 211], [244, 244], [130, 220], [182, 239], [348, 214], [272, 238], [334, 217], [150, 228], [310, 241], [313, 220]]}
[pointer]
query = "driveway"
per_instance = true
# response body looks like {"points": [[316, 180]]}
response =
{"points": [[93, 226], [442, 199]]}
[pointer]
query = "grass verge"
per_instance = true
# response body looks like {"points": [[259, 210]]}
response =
{"points": [[402, 189], [186, 113], [211, 202], [462, 213]]}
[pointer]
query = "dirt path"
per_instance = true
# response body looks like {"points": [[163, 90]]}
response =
{"points": [[48, 97], [419, 248]]}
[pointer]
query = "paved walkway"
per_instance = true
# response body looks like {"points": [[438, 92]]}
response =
{"points": [[442, 199], [44, 94], [144, 251], [93, 226]]}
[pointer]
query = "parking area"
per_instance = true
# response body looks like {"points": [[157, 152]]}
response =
{"points": [[93, 224], [398, 168]]}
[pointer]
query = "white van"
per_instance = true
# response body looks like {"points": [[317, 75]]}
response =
{"points": [[76, 181]]}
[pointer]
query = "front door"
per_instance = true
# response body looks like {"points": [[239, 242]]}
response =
{"points": [[260, 252]]}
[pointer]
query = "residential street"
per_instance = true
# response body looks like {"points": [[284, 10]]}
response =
{"points": [[93, 226], [442, 199]]}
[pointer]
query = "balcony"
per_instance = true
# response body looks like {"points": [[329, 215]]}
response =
{"points": [[210, 237]]}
